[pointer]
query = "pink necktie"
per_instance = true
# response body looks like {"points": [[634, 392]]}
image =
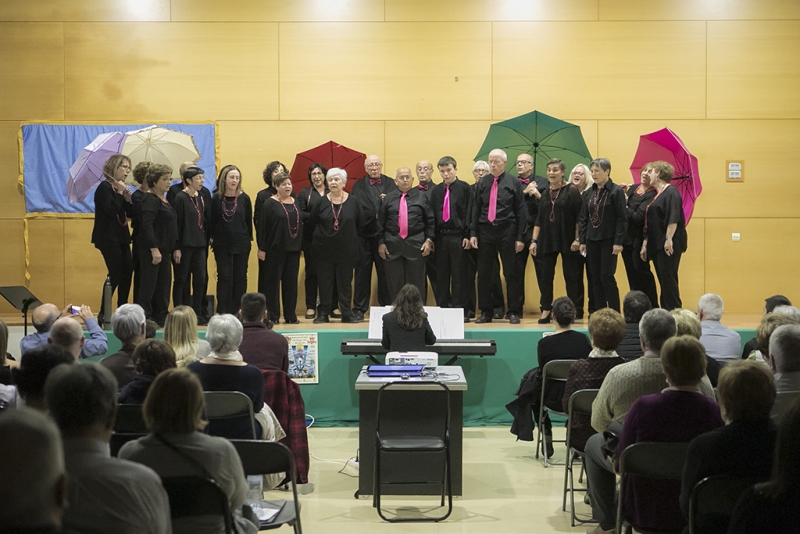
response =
{"points": [[493, 201], [402, 217], [446, 207]]}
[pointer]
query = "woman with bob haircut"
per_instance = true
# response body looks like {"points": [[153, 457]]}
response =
{"points": [[688, 324], [581, 176], [678, 414], [150, 358], [180, 331], [140, 177], [177, 447], [269, 172], [306, 200], [406, 327]]}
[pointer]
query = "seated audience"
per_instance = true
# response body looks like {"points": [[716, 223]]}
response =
{"points": [[225, 370], [67, 332], [634, 305], [177, 447], [741, 448], [128, 325], [180, 331], [151, 327], [764, 331], [720, 342], [32, 372], [406, 327], [151, 358], [769, 305], [105, 494], [771, 507], [33, 494], [45, 315], [606, 328], [678, 414], [784, 360], [688, 324], [261, 346], [791, 311]]}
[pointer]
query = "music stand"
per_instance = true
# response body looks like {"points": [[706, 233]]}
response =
{"points": [[21, 299]]}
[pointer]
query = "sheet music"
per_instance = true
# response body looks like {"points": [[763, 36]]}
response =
{"points": [[446, 323], [376, 314]]}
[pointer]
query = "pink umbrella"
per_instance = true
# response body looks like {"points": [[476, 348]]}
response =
{"points": [[664, 145], [87, 171]]}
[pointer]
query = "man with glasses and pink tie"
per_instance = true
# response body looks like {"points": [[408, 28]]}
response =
{"points": [[405, 234], [498, 226]]}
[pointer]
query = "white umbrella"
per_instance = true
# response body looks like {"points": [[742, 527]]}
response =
{"points": [[160, 145]]}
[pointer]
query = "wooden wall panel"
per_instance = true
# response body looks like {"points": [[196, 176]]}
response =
{"points": [[385, 71], [32, 77], [152, 71], [481, 10], [753, 70], [277, 10], [84, 268], [698, 10], [12, 201], [12, 259], [84, 10], [599, 70], [46, 245]]}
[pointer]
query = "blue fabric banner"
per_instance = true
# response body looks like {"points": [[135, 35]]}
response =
{"points": [[49, 150]]}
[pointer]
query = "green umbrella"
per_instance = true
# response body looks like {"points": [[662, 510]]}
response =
{"points": [[542, 136]]}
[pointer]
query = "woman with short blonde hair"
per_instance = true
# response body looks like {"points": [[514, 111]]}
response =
{"points": [[180, 331]]}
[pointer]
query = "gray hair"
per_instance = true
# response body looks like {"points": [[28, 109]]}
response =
{"points": [[500, 151], [587, 172], [336, 171], [224, 333], [66, 332], [603, 163], [81, 396], [784, 348], [712, 306], [791, 311], [127, 322], [32, 467], [656, 327], [480, 164]]}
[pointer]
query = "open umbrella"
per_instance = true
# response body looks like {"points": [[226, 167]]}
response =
{"points": [[542, 136], [160, 145], [665, 145], [330, 154], [87, 171]]}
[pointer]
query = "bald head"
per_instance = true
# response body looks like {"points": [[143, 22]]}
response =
{"points": [[68, 333], [373, 166], [403, 179], [44, 316], [424, 171]]}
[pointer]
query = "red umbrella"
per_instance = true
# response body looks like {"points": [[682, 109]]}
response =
{"points": [[330, 154], [664, 145]]}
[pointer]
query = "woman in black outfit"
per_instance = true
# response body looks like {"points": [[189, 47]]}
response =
{"points": [[556, 232], [273, 168], [139, 176], [231, 230], [665, 233], [110, 234], [406, 328], [581, 176], [640, 278], [190, 258], [159, 235], [305, 201], [281, 234], [334, 222]]}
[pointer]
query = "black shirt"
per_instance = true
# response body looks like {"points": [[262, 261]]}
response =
{"points": [[563, 205], [261, 196], [233, 233], [281, 226], [305, 201], [111, 212], [192, 214], [159, 224], [568, 345], [510, 204], [136, 209], [420, 215], [395, 337], [603, 215], [531, 202], [460, 207], [426, 191], [665, 209], [369, 201], [637, 207], [327, 240]]}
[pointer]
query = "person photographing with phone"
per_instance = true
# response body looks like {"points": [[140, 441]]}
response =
{"points": [[46, 314]]}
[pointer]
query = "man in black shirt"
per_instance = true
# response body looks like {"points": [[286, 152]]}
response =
{"points": [[425, 185], [499, 218], [532, 187], [370, 191], [405, 234]]}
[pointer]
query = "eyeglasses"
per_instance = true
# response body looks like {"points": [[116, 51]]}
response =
{"points": [[524, 162], [126, 167], [373, 165]]}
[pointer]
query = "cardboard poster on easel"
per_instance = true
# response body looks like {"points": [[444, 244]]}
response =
{"points": [[303, 353]]}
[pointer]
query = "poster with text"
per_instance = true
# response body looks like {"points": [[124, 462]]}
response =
{"points": [[303, 354]]}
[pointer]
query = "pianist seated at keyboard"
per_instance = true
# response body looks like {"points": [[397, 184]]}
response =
{"points": [[406, 328]]}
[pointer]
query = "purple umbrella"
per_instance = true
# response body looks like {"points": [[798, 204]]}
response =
{"points": [[664, 145], [87, 171]]}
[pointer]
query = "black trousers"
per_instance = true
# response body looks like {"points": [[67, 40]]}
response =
{"points": [[193, 263], [120, 268], [572, 267], [135, 262], [338, 273], [640, 278], [522, 264], [403, 270], [368, 256], [231, 280], [431, 278], [471, 293], [154, 284], [602, 264], [494, 240], [667, 271], [451, 272], [281, 277]]}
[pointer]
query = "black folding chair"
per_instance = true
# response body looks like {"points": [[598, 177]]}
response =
{"points": [[197, 496], [130, 419], [266, 458], [580, 403], [712, 501], [229, 405], [118, 439], [554, 371], [401, 440]]}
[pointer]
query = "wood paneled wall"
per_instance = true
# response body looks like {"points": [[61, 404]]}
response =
{"points": [[415, 79]]}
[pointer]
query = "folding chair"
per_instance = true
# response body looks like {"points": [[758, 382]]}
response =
{"points": [[195, 496], [580, 403], [712, 502], [554, 371], [118, 439], [222, 405], [399, 438], [130, 419], [265, 458]]}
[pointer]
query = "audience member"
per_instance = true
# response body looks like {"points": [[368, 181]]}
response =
{"points": [[678, 414], [34, 489], [769, 323], [45, 316], [791, 311], [406, 327], [6, 362], [742, 448], [128, 324], [151, 327], [721, 343], [261, 346], [688, 324], [769, 305], [67, 332], [634, 305], [180, 331], [105, 494], [177, 447], [151, 358], [32, 373], [784, 359]]}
